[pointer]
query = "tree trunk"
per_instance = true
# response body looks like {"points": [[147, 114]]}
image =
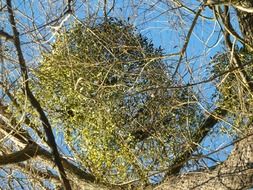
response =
{"points": [[235, 173]]}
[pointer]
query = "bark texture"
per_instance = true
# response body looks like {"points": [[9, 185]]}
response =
{"points": [[235, 173], [246, 21]]}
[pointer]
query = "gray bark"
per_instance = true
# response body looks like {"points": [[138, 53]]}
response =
{"points": [[235, 173]]}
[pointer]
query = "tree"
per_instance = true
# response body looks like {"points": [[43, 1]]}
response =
{"points": [[236, 171], [128, 72], [97, 85]]}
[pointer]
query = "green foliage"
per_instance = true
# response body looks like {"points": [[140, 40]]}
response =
{"points": [[105, 86], [233, 92]]}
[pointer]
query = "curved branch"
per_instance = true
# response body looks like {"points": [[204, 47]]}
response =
{"points": [[27, 153], [235, 173], [23, 137], [198, 137], [6, 36], [34, 102]]}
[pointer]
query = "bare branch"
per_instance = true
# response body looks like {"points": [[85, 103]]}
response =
{"points": [[187, 39], [23, 137], [197, 138], [27, 153], [235, 173], [6, 36], [33, 100]]}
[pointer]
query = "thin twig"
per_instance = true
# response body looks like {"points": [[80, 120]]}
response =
{"points": [[34, 102], [187, 40]]}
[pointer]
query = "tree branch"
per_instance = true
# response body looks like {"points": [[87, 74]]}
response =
{"points": [[197, 138], [235, 173], [33, 100], [187, 40], [22, 136], [6, 36], [27, 153], [235, 58]]}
